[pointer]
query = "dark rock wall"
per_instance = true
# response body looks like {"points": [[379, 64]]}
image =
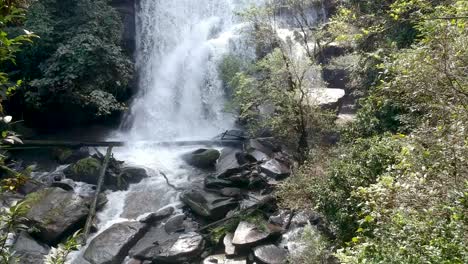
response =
{"points": [[127, 9]]}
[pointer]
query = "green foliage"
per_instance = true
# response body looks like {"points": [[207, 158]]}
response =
{"points": [[275, 95], [416, 210], [81, 61], [395, 188], [9, 46], [11, 221], [58, 255], [218, 233]]}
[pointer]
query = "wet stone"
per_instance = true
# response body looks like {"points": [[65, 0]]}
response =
{"points": [[229, 248], [158, 216], [248, 234], [112, 245], [270, 254]]}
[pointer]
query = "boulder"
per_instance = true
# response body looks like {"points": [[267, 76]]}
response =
{"points": [[248, 234], [128, 175], [207, 204], [112, 245], [270, 254], [30, 186], [158, 216], [56, 212], [261, 149], [281, 218], [202, 158], [160, 246], [229, 162], [237, 179], [275, 169], [231, 192], [175, 224], [28, 250], [84, 170], [328, 98], [222, 259], [229, 248], [215, 183]]}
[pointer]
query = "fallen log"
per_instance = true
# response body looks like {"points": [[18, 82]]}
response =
{"points": [[92, 209], [77, 144]]}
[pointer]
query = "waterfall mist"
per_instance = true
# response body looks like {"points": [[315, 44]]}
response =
{"points": [[180, 44]]}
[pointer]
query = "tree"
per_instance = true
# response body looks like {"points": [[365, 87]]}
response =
{"points": [[275, 94], [82, 67]]}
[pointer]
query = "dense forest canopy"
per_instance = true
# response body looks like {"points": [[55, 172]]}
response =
{"points": [[76, 65], [391, 184]]}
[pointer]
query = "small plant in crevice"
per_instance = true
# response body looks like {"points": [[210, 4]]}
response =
{"points": [[59, 254]]}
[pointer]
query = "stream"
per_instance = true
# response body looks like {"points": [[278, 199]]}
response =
{"points": [[179, 47]]}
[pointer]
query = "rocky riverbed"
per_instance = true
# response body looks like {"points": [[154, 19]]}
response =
{"points": [[228, 215]]}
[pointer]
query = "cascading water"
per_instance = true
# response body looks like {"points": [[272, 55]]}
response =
{"points": [[180, 44]]}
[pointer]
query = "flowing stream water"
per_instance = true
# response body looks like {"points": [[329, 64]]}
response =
{"points": [[179, 46]]}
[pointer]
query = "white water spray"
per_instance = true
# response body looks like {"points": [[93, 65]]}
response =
{"points": [[180, 45]]}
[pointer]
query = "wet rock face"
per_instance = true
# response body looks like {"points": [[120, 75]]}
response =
{"points": [[248, 234], [270, 254], [159, 245], [207, 204], [202, 158], [56, 212], [112, 245], [128, 175], [229, 162], [29, 251], [126, 8], [157, 216]]}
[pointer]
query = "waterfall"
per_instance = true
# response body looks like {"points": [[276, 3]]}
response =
{"points": [[180, 44]]}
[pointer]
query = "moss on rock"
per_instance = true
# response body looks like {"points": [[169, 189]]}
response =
{"points": [[85, 170]]}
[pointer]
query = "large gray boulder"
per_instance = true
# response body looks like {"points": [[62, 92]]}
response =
{"points": [[28, 250], [248, 234], [275, 169], [261, 149], [270, 254], [202, 158], [230, 162], [112, 245], [56, 212], [161, 246], [208, 204]]}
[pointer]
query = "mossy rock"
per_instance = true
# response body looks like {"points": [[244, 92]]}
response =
{"points": [[56, 213], [68, 155], [85, 170], [202, 158]]}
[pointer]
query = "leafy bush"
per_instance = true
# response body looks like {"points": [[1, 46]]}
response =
{"points": [[81, 62]]}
